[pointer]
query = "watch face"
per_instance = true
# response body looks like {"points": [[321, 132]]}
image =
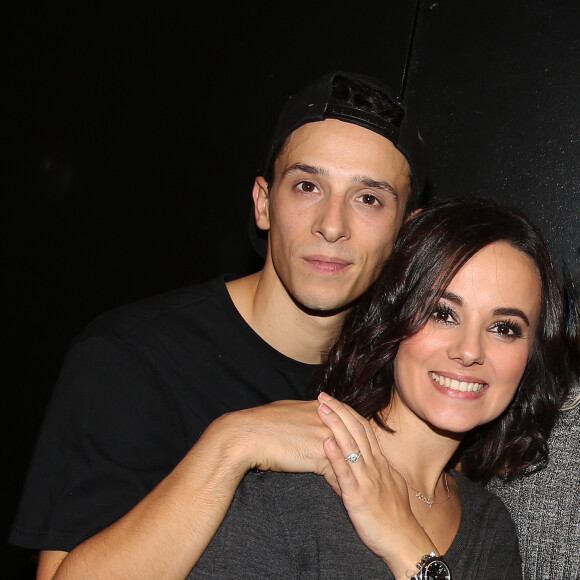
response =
{"points": [[437, 570]]}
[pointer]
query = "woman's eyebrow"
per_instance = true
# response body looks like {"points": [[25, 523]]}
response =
{"points": [[452, 298], [501, 311], [512, 312]]}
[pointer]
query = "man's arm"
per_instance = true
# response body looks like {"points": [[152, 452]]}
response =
{"points": [[163, 536]]}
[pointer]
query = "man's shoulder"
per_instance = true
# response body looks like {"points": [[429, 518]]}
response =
{"points": [[175, 307]]}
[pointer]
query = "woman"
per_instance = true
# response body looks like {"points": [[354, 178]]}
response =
{"points": [[457, 354]]}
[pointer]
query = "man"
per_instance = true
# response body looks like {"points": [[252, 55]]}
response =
{"points": [[121, 484]]}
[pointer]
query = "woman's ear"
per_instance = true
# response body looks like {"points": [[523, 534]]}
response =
{"points": [[261, 197]]}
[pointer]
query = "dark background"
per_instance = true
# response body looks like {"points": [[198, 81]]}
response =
{"points": [[132, 138], [496, 86]]}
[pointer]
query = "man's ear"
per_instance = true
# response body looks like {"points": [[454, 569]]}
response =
{"points": [[261, 197], [412, 213]]}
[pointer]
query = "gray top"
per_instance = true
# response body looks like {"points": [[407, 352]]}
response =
{"points": [[546, 506], [285, 525]]}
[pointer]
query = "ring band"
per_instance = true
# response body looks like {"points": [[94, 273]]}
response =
{"points": [[353, 457]]}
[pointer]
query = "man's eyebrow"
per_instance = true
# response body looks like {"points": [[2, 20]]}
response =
{"points": [[362, 179], [304, 168], [375, 184], [502, 311]]}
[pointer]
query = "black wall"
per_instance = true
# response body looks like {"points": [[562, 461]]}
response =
{"points": [[496, 86]]}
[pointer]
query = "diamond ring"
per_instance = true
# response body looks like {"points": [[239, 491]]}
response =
{"points": [[353, 457]]}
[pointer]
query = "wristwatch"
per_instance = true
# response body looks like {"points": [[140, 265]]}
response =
{"points": [[432, 567]]}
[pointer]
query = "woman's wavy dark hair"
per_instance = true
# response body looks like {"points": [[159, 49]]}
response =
{"points": [[432, 247]]}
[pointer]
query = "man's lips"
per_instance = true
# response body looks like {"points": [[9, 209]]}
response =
{"points": [[326, 263]]}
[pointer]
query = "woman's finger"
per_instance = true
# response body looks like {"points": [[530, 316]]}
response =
{"points": [[351, 439], [346, 473], [353, 422]]}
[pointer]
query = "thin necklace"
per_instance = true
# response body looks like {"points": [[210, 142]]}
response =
{"points": [[420, 495]]}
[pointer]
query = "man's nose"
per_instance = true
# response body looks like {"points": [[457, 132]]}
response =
{"points": [[332, 219]]}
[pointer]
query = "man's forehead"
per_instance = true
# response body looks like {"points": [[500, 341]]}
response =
{"points": [[319, 147], [323, 136]]}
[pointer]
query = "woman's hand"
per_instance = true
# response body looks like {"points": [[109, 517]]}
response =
{"points": [[374, 495]]}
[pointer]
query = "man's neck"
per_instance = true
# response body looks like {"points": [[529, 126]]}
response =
{"points": [[278, 320]]}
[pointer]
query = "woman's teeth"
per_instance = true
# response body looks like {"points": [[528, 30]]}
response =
{"points": [[457, 385]]}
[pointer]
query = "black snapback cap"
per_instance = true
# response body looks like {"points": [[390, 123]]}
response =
{"points": [[315, 103]]}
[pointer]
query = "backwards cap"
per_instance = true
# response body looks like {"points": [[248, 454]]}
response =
{"points": [[315, 103]]}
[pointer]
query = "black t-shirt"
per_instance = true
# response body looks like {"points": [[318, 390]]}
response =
{"points": [[136, 390]]}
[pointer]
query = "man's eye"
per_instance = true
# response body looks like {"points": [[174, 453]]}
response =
{"points": [[369, 199], [307, 186]]}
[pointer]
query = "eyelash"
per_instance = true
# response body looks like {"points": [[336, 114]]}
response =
{"points": [[305, 183], [376, 201], [446, 311], [309, 187], [513, 327]]}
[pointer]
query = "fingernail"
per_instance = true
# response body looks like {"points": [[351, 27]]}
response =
{"points": [[324, 408], [325, 396], [331, 443]]}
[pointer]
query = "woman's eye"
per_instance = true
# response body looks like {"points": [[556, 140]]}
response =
{"points": [[507, 330], [504, 329], [443, 314]]}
